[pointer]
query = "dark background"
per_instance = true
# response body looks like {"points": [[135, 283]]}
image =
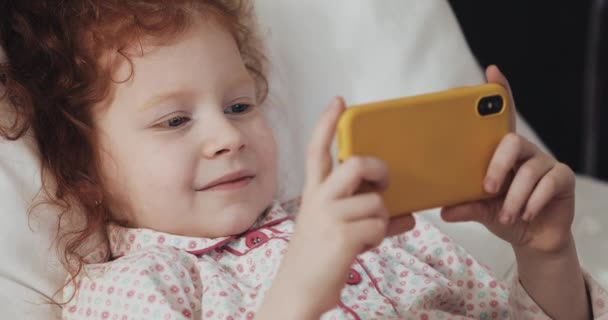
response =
{"points": [[543, 47]]}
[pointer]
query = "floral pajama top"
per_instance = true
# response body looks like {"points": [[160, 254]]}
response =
{"points": [[421, 274]]}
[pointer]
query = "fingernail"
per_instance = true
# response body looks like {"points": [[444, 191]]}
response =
{"points": [[490, 186], [338, 100], [495, 66]]}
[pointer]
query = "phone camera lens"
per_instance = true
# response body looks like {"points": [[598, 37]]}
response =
{"points": [[490, 105]]}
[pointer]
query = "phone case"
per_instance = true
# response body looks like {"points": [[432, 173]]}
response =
{"points": [[437, 146]]}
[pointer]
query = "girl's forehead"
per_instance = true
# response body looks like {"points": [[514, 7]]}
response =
{"points": [[198, 41], [201, 60]]}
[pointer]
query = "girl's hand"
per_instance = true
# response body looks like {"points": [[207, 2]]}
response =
{"points": [[534, 204], [335, 223]]}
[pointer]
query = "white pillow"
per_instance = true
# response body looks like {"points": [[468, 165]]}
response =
{"points": [[29, 269], [363, 50]]}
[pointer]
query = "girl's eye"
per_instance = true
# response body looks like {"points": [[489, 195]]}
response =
{"points": [[176, 122], [238, 108]]}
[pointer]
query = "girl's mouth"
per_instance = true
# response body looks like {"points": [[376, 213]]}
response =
{"points": [[231, 181]]}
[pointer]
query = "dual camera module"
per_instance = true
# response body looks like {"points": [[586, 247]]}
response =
{"points": [[490, 105]]}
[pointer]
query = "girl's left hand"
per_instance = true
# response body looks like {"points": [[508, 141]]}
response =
{"points": [[534, 204]]}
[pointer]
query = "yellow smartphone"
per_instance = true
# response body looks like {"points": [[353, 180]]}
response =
{"points": [[437, 146]]}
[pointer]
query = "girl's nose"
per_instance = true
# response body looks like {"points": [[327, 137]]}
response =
{"points": [[224, 138]]}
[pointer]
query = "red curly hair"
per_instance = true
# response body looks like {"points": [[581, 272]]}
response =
{"points": [[57, 69]]}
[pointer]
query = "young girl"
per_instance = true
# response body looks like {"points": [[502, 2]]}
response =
{"points": [[148, 120]]}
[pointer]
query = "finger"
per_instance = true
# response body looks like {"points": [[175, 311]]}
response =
{"points": [[350, 175], [559, 182], [361, 206], [318, 162], [401, 224], [369, 233], [511, 150], [520, 190], [479, 211], [494, 75]]}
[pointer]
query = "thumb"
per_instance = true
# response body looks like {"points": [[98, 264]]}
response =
{"points": [[318, 160]]}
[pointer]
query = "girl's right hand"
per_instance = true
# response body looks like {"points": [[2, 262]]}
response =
{"points": [[335, 223]]}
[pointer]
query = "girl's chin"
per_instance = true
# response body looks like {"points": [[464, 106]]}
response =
{"points": [[235, 224]]}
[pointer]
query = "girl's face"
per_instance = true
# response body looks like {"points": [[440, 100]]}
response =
{"points": [[184, 147]]}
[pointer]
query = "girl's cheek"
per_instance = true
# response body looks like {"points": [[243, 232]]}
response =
{"points": [[264, 133]]}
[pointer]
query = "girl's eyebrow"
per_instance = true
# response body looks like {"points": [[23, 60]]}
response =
{"points": [[240, 83], [180, 94], [163, 97]]}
